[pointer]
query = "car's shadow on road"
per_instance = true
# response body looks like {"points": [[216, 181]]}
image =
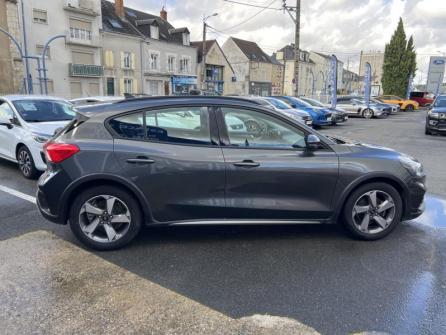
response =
{"points": [[310, 272]]}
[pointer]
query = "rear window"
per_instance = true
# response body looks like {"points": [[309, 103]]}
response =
{"points": [[44, 110]]}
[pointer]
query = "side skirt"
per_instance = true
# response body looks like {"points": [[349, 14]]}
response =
{"points": [[237, 222]]}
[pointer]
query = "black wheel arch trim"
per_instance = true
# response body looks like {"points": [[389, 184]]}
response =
{"points": [[120, 181], [370, 178]]}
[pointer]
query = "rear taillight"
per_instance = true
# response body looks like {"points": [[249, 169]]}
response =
{"points": [[58, 152]]}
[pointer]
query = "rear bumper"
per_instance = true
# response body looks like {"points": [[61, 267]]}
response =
{"points": [[44, 210]]}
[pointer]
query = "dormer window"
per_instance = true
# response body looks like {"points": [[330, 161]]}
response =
{"points": [[154, 32], [186, 38]]}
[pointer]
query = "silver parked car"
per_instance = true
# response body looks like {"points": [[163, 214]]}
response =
{"points": [[356, 107]]}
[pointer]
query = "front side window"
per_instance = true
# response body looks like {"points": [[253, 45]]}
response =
{"points": [[251, 129], [44, 110], [6, 110]]}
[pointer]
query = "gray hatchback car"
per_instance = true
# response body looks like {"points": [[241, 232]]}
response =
{"points": [[217, 160]]}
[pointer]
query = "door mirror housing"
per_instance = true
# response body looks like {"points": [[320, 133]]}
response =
{"points": [[5, 121], [313, 142]]}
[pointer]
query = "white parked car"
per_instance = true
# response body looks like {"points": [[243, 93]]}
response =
{"points": [[26, 123]]}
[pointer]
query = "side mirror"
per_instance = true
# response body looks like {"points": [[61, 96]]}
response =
{"points": [[5, 121], [313, 142]]}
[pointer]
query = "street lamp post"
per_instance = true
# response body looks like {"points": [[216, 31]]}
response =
{"points": [[45, 50], [203, 82]]}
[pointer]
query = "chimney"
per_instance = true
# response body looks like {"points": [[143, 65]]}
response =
{"points": [[163, 14], [119, 8]]}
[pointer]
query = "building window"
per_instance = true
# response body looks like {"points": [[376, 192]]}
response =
{"points": [[171, 63], [110, 86], [127, 60], [154, 61], [39, 51], [40, 16], [186, 39], [185, 65], [80, 29], [79, 57], [154, 32], [128, 85]]}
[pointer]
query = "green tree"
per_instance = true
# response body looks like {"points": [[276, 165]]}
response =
{"points": [[399, 62]]}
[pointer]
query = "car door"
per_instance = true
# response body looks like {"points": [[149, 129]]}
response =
{"points": [[269, 173], [349, 105], [173, 156], [7, 135]]}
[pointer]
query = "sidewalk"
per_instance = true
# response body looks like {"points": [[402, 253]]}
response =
{"points": [[50, 286]]}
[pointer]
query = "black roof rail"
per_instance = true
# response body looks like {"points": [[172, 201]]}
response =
{"points": [[179, 97]]}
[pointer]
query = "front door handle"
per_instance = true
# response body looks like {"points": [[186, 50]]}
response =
{"points": [[247, 164], [140, 160]]}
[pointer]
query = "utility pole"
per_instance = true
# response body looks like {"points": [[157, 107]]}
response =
{"points": [[203, 60], [296, 20]]}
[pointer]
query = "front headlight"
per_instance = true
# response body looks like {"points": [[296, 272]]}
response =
{"points": [[412, 165], [433, 115], [40, 138]]}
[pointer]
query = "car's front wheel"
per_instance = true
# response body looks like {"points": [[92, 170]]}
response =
{"points": [[105, 217], [409, 108], [427, 131], [26, 163], [367, 113], [373, 211]]}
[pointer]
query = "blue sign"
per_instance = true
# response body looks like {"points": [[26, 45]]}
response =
{"points": [[184, 80], [334, 80], [367, 83], [438, 61]]}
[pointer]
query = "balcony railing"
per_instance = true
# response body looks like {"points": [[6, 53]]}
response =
{"points": [[84, 70]]}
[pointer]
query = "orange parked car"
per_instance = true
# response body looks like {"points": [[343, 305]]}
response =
{"points": [[405, 104]]}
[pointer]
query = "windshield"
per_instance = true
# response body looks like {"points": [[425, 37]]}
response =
{"points": [[440, 102], [277, 103], [299, 103], [44, 110], [314, 102]]}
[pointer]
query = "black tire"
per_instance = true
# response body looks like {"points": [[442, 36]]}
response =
{"points": [[26, 163], [367, 113], [427, 131], [409, 108], [356, 195], [122, 195]]}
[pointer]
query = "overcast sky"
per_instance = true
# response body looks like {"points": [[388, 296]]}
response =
{"points": [[343, 27]]}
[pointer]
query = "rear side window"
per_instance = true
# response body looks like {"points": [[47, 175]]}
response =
{"points": [[182, 125], [129, 126]]}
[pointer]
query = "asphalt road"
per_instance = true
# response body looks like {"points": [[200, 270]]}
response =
{"points": [[314, 274]]}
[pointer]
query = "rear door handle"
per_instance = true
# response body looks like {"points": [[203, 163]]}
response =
{"points": [[247, 164], [140, 160]]}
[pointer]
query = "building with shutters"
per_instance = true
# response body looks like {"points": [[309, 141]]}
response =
{"points": [[144, 53], [253, 68], [74, 65]]}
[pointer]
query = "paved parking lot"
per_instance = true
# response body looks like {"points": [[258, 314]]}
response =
{"points": [[313, 274]]}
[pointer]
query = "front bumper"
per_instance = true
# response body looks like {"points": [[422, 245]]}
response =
{"points": [[339, 118], [415, 198], [436, 125]]}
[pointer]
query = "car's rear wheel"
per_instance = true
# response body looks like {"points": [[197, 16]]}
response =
{"points": [[26, 163], [105, 217], [367, 113], [373, 211], [409, 108]]}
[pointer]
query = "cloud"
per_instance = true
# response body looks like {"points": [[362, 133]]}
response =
{"points": [[344, 27]]}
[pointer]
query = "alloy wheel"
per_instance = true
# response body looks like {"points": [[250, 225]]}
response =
{"points": [[373, 212], [367, 113], [104, 218], [25, 163]]}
